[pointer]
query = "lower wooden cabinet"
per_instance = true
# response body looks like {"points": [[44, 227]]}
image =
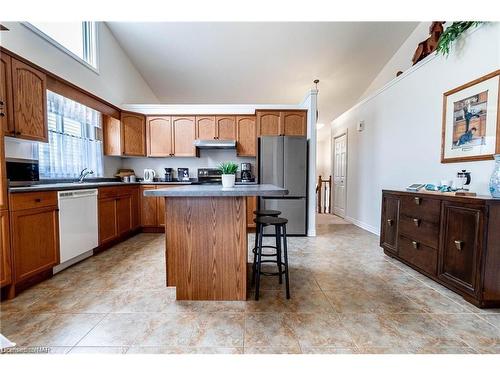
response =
{"points": [[453, 240], [6, 264], [34, 241], [108, 229], [251, 207], [152, 209]]}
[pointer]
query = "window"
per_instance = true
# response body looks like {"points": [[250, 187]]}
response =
{"points": [[75, 139], [78, 39]]}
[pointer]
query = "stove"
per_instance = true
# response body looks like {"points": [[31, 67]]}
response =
{"points": [[209, 176]]}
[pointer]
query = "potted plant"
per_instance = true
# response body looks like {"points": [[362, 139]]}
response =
{"points": [[228, 170]]}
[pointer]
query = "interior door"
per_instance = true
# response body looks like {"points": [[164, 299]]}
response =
{"points": [[339, 174]]}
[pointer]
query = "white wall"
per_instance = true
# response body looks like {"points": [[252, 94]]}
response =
{"points": [[208, 158], [402, 140], [324, 157], [118, 81]]}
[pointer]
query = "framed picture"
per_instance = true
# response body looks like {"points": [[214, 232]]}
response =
{"points": [[471, 122]]}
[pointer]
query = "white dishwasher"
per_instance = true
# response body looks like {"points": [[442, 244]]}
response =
{"points": [[78, 230]]}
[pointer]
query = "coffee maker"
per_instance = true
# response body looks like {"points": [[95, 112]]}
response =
{"points": [[169, 174], [246, 173]]}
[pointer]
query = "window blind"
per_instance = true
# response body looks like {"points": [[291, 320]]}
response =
{"points": [[75, 139]]}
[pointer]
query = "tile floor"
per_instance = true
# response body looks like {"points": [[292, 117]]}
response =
{"points": [[347, 297]]}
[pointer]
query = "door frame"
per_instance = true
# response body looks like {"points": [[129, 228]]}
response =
{"points": [[334, 211]]}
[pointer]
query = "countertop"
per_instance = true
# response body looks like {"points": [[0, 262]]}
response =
{"points": [[218, 191], [87, 185]]}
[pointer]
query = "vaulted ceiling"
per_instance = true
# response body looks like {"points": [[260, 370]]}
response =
{"points": [[263, 63]]}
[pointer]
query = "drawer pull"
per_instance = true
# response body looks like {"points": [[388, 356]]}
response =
{"points": [[458, 245], [38, 200], [414, 244], [417, 200], [416, 222], [390, 222]]}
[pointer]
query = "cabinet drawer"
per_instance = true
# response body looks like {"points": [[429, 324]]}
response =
{"points": [[418, 254], [23, 201], [108, 192], [420, 230], [424, 208]]}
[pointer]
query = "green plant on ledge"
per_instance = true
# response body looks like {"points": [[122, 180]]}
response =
{"points": [[451, 34], [228, 168]]}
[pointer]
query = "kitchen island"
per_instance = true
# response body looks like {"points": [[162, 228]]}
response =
{"points": [[206, 239]]}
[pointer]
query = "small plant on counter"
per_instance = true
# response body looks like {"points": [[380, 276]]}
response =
{"points": [[228, 170]]}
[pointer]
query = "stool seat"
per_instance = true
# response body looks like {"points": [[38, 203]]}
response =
{"points": [[270, 220], [267, 213]]}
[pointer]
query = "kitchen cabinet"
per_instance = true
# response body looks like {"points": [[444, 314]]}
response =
{"points": [[112, 142], [4, 199], [290, 123], [226, 127], [29, 87], [6, 107], [124, 214], [34, 227], [184, 135], [451, 239], [133, 134], [149, 214], [246, 136], [205, 127], [160, 210], [107, 213], [159, 136], [251, 207], [5, 266]]}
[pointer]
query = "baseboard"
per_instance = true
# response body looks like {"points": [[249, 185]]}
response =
{"points": [[362, 225]]}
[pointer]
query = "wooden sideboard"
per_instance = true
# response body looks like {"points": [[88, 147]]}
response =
{"points": [[454, 240]]}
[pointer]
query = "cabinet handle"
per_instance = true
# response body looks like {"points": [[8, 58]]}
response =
{"points": [[414, 244], [19, 133], [2, 114], [416, 222], [38, 200], [417, 200], [390, 222], [1, 102], [458, 245]]}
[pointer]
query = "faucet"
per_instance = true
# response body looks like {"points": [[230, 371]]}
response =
{"points": [[84, 173]]}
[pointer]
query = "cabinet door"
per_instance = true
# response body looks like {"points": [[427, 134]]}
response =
{"points": [[205, 127], [161, 211], [108, 229], [246, 136], [30, 102], [159, 136], [5, 274], [111, 136], [462, 232], [6, 115], [149, 215], [133, 134], [293, 123], [124, 214], [390, 221], [226, 127], [35, 241], [251, 207], [4, 198], [136, 216], [268, 123], [184, 136]]}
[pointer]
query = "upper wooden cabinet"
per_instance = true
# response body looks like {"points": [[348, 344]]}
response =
{"points": [[112, 142], [133, 134], [282, 123], [5, 262], [6, 112], [246, 136], [159, 136], [226, 127], [205, 127], [29, 87], [184, 135]]}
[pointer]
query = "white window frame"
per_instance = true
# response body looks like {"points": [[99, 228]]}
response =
{"points": [[91, 32]]}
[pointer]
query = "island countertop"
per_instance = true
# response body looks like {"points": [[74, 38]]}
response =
{"points": [[218, 191]]}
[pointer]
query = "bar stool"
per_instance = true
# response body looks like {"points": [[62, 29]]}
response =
{"points": [[279, 224], [259, 213]]}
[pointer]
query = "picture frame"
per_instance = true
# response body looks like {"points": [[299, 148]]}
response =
{"points": [[471, 121]]}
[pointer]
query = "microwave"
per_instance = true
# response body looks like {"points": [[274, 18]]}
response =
{"points": [[22, 171]]}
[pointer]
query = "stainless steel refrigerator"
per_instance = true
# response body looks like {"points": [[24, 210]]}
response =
{"points": [[283, 162]]}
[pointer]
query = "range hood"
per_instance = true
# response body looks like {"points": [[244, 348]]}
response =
{"points": [[214, 144]]}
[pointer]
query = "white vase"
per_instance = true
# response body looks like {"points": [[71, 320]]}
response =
{"points": [[228, 180]]}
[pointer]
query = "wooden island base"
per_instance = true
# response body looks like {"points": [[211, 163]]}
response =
{"points": [[206, 247]]}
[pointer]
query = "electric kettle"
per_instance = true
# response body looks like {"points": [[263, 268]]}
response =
{"points": [[149, 175]]}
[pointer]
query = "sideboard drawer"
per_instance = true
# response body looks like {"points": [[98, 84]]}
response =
{"points": [[418, 254], [423, 208], [421, 230], [30, 200]]}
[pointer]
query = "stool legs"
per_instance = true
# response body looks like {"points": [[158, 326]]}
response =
{"points": [[259, 263], [285, 253], [277, 232], [255, 254]]}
